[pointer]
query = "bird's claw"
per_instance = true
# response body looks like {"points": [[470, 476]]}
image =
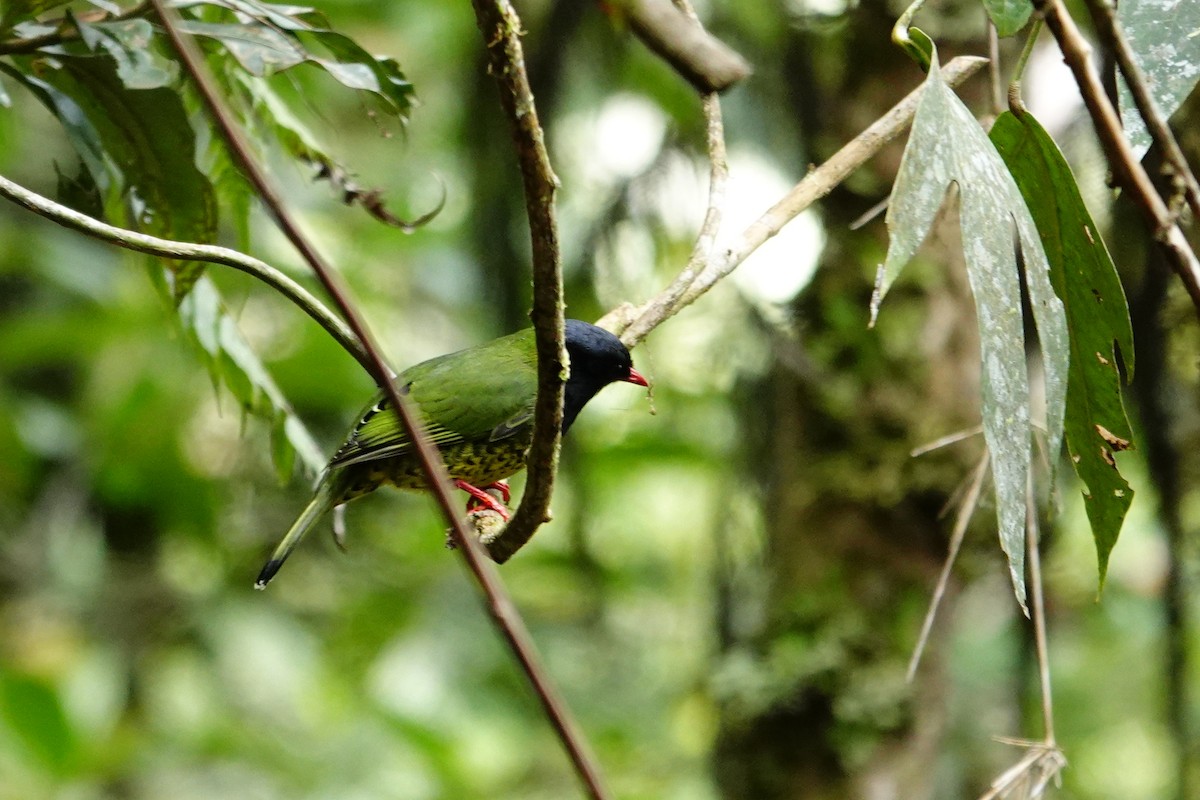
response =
{"points": [[480, 499]]}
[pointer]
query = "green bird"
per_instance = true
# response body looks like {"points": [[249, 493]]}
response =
{"points": [[477, 405]]}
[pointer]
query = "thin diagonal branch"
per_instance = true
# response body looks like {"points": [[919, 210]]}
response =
{"points": [[966, 511], [500, 27], [1038, 607], [1127, 171], [815, 185], [507, 619], [702, 250], [1105, 19], [212, 254]]}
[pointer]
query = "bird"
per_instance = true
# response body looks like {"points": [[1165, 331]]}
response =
{"points": [[477, 407]]}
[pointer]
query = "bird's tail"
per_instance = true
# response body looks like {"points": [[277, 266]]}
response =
{"points": [[321, 502]]}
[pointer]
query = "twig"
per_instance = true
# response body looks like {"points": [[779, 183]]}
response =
{"points": [[948, 439], [1039, 611], [1044, 760], [702, 250], [1105, 20], [703, 60], [1041, 763], [818, 183], [965, 512], [507, 619], [1128, 172], [212, 254], [500, 27], [995, 82]]}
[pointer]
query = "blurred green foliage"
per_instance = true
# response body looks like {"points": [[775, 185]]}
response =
{"points": [[137, 500]]}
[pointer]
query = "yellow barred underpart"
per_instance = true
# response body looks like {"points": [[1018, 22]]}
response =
{"points": [[479, 464]]}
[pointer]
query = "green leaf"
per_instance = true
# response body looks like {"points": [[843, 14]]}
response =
{"points": [[916, 43], [80, 132], [1009, 16], [1098, 318], [948, 146], [1165, 37], [129, 43], [146, 136], [232, 362], [259, 49], [35, 714], [18, 11]]}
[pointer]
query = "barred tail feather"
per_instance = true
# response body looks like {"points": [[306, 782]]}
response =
{"points": [[321, 502]]}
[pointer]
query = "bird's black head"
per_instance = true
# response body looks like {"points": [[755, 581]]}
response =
{"points": [[597, 359]]}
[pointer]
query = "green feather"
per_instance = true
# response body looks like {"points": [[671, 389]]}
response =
{"points": [[499, 376]]}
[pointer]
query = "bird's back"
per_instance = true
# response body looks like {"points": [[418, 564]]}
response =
{"points": [[477, 405]]}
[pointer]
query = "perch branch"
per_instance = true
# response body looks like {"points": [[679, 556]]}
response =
{"points": [[500, 27], [187, 251], [502, 609], [1129, 174]]}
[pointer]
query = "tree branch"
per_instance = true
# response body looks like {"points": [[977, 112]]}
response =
{"points": [[635, 323], [1129, 174], [676, 37], [212, 254], [503, 612], [1104, 18], [500, 26]]}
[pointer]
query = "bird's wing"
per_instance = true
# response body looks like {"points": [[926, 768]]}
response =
{"points": [[483, 394]]}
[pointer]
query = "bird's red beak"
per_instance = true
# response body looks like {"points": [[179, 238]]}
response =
{"points": [[636, 377]]}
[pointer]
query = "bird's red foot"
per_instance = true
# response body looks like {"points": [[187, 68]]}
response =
{"points": [[481, 499]]}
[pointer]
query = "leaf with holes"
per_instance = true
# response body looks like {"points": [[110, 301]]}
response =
{"points": [[1097, 316]]}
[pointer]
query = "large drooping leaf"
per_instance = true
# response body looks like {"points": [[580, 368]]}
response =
{"points": [[948, 146], [1165, 36], [1084, 277], [232, 362], [1009, 16], [146, 135]]}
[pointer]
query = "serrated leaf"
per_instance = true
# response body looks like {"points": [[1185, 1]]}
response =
{"points": [[145, 133], [1098, 318], [1165, 37], [1009, 16], [948, 146], [233, 363]]}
